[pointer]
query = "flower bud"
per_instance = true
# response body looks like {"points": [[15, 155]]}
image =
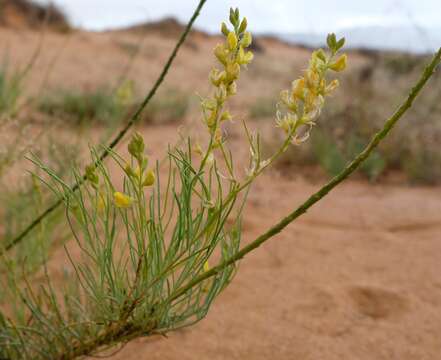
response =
{"points": [[206, 266], [224, 29], [149, 179], [136, 145], [233, 16], [226, 116], [129, 171], [91, 175], [320, 54], [243, 25]]}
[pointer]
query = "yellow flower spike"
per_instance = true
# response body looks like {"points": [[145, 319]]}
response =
{"points": [[122, 200], [149, 179], [232, 41], [339, 64], [302, 105]]}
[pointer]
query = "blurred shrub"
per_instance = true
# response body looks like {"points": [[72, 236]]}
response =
{"points": [[10, 91], [263, 107], [103, 107], [80, 108], [326, 153], [24, 199], [403, 64], [167, 107]]}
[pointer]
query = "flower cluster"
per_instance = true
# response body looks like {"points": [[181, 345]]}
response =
{"points": [[232, 54], [302, 104]]}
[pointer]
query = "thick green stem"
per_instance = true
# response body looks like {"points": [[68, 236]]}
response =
{"points": [[353, 165], [134, 119]]}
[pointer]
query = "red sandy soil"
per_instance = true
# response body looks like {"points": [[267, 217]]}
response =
{"points": [[356, 278]]}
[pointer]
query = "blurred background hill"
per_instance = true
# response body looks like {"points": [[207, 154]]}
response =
{"points": [[20, 14]]}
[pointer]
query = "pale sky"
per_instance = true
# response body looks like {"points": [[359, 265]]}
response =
{"points": [[276, 16]]}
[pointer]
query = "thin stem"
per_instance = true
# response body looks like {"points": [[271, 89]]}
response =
{"points": [[134, 119], [353, 165]]}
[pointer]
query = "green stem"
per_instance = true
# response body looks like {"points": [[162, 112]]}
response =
{"points": [[120, 135], [353, 165]]}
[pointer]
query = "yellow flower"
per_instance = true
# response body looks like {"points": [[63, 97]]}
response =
{"points": [[232, 40], [226, 116], [198, 149], [221, 53], [149, 179], [244, 58], [298, 87], [122, 200], [124, 94], [206, 266], [339, 64], [101, 203], [332, 86], [246, 39]]}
